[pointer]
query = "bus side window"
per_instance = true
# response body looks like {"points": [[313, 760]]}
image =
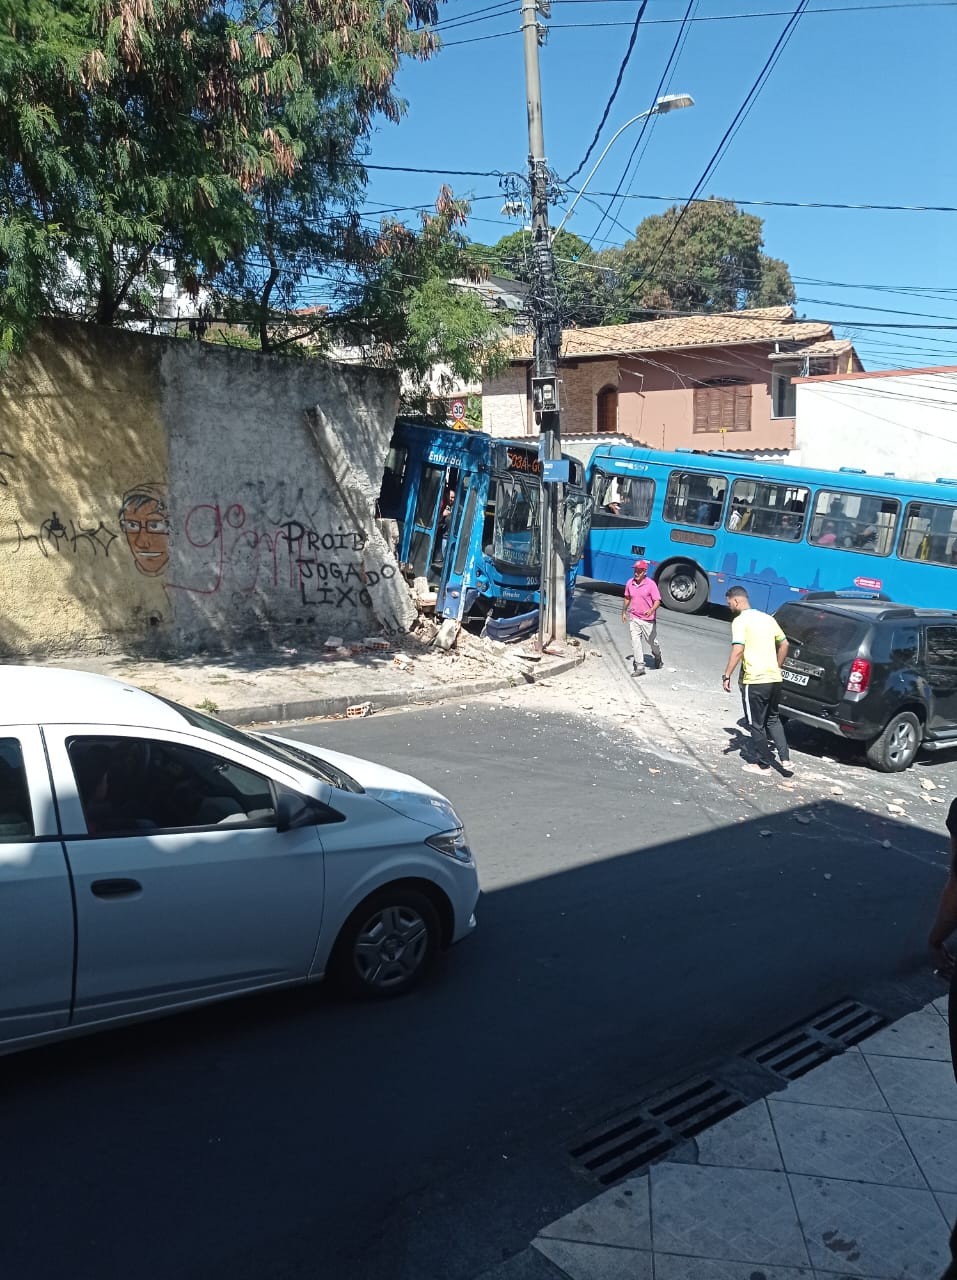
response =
{"points": [[694, 497], [930, 533], [393, 474], [767, 509], [854, 522], [635, 496]]}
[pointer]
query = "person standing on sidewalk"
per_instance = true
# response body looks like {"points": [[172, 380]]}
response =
{"points": [[761, 646], [945, 925], [642, 601]]}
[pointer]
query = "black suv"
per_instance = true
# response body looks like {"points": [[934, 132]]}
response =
{"points": [[881, 673]]}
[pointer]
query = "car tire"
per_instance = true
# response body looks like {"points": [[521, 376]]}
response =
{"points": [[896, 748], [387, 945], [683, 587]]}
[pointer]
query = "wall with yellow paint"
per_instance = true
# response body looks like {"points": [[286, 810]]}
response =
{"points": [[80, 426], [165, 496]]}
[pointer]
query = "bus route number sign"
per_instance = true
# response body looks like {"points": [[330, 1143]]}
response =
{"points": [[520, 460]]}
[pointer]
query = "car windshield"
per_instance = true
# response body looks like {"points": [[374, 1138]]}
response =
{"points": [[283, 752]]}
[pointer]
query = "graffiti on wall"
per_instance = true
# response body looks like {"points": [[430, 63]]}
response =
{"points": [[268, 542], [244, 553], [53, 537], [144, 518]]}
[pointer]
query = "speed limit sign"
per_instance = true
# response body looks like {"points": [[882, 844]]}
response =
{"points": [[458, 410]]}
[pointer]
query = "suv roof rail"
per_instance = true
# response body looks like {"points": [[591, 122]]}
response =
{"points": [[847, 595]]}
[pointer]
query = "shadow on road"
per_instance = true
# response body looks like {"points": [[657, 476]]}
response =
{"points": [[294, 1136]]}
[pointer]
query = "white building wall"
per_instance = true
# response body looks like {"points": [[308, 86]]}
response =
{"points": [[902, 423], [505, 403]]}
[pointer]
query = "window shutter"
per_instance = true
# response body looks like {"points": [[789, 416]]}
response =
{"points": [[722, 407]]}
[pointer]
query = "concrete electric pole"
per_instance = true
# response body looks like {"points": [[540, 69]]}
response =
{"points": [[548, 340]]}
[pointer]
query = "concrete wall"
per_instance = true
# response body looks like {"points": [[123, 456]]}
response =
{"points": [[900, 422], [164, 496]]}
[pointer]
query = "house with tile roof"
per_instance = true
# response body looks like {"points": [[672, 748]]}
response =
{"points": [[721, 381]]}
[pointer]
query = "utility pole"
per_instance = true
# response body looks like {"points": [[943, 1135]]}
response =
{"points": [[548, 338]]}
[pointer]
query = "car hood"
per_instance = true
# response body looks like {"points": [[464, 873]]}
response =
{"points": [[399, 791]]}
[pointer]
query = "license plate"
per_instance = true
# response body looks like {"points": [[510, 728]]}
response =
{"points": [[793, 677]]}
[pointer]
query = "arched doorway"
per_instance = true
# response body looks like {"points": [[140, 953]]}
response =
{"points": [[608, 409]]}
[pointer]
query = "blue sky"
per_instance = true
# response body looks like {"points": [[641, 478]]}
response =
{"points": [[860, 109]]}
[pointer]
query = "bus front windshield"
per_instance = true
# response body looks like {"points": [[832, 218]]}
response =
{"points": [[516, 541]]}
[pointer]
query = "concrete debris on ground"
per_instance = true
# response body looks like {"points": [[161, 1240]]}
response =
{"points": [[334, 678]]}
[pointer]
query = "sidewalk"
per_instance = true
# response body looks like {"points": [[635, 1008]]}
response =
{"points": [[850, 1171], [297, 685]]}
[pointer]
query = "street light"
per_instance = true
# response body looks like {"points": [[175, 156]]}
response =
{"points": [[670, 102]]}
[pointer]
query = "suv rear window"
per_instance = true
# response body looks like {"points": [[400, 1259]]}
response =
{"points": [[819, 630]]}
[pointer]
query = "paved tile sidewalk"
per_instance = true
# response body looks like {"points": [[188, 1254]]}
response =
{"points": [[850, 1171]]}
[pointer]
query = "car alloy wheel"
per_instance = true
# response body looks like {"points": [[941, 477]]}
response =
{"points": [[902, 742]]}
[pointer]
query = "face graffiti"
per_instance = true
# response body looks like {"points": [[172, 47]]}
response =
{"points": [[144, 518]]}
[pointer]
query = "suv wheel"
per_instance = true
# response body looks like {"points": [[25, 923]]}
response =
{"points": [[897, 746]]}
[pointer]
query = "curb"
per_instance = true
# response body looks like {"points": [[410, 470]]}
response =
{"points": [[322, 708]]}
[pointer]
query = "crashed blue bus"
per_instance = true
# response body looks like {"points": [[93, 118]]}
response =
{"points": [[468, 509], [708, 521]]}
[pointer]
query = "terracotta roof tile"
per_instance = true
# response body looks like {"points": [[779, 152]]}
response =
{"points": [[766, 324]]}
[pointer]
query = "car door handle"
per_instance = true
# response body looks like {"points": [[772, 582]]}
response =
{"points": [[115, 888]]}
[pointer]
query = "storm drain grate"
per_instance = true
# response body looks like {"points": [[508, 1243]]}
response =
{"points": [[635, 1138], [794, 1052]]}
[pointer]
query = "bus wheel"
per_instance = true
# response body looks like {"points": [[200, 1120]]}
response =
{"points": [[683, 588]]}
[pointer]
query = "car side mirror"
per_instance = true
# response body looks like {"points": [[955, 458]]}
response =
{"points": [[294, 811]]}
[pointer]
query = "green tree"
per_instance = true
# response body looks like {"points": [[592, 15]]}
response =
{"points": [[584, 283], [220, 138], [713, 261], [414, 315]]}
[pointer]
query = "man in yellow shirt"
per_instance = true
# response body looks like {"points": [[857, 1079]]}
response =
{"points": [[758, 642]]}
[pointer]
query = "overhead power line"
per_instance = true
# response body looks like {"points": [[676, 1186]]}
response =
{"points": [[614, 92], [793, 204], [716, 17], [749, 99], [676, 50]]}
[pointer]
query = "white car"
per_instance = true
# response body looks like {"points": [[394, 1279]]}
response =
{"points": [[153, 858]]}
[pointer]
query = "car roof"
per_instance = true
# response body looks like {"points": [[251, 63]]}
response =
{"points": [[873, 610], [58, 695]]}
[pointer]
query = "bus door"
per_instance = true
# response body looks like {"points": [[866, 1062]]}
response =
{"points": [[428, 502], [457, 589]]}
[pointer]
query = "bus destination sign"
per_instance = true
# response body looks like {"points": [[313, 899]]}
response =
{"points": [[523, 460]]}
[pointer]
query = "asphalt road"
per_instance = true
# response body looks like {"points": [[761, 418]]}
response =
{"points": [[633, 927]]}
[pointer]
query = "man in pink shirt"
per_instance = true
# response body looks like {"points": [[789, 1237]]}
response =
{"points": [[642, 600]]}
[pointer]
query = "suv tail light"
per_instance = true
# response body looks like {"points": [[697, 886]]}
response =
{"points": [[860, 676]]}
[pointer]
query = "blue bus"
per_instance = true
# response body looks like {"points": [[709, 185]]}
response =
{"points": [[709, 521], [469, 513]]}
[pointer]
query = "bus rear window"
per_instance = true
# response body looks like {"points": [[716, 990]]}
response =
{"points": [[930, 533]]}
